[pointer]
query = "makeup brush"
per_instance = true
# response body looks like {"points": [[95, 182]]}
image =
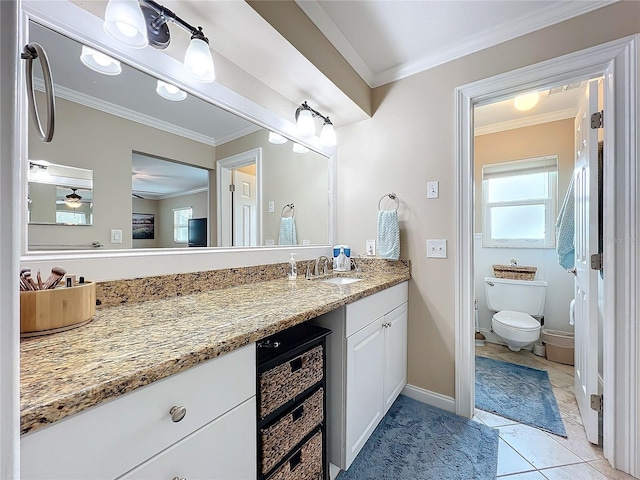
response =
{"points": [[56, 275], [32, 284], [39, 280]]}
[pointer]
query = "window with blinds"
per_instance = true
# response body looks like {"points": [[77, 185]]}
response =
{"points": [[519, 203], [181, 218]]}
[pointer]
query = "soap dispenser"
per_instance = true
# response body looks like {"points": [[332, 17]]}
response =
{"points": [[293, 268], [341, 262]]}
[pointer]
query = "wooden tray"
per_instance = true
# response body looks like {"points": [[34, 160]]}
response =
{"points": [[50, 311]]}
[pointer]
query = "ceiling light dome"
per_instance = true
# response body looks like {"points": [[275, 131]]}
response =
{"points": [[276, 138], [170, 92], [73, 200], [124, 21], [299, 148], [99, 62], [526, 101]]}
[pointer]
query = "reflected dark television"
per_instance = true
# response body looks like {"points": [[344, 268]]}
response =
{"points": [[197, 232]]}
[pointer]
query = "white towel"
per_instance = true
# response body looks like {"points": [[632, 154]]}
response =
{"points": [[388, 234], [287, 231], [565, 233]]}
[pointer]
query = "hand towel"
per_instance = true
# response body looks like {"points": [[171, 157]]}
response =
{"points": [[388, 235], [287, 231], [565, 234]]}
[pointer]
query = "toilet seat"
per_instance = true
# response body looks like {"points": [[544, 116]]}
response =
{"points": [[516, 321]]}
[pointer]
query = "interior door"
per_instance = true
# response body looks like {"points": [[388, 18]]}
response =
{"points": [[586, 244], [244, 209]]}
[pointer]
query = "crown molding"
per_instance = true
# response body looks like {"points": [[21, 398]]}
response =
{"points": [[525, 122], [134, 116]]}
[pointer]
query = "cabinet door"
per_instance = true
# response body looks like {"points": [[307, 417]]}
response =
{"points": [[223, 449], [364, 394], [395, 354]]}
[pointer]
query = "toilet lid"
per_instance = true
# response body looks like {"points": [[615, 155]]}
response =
{"points": [[518, 320]]}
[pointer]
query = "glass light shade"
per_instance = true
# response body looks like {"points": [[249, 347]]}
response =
{"points": [[299, 148], [99, 62], [124, 21], [276, 138], [170, 92], [73, 200], [198, 62], [328, 135], [304, 124], [526, 101]]}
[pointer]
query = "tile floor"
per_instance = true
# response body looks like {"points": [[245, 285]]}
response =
{"points": [[526, 453]]}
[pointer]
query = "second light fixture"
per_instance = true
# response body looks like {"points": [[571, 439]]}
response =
{"points": [[305, 125]]}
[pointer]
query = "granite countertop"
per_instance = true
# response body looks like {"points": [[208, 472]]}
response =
{"points": [[128, 346]]}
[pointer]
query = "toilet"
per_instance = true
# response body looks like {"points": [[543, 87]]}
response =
{"points": [[518, 307]]}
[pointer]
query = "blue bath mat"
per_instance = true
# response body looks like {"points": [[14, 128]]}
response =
{"points": [[415, 441], [520, 393]]}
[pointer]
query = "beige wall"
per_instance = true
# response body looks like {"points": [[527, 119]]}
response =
{"points": [[197, 201], [411, 140], [552, 138], [288, 177], [88, 138]]}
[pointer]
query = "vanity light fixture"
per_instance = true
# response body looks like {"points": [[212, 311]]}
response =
{"points": [[526, 101], [37, 170], [170, 92], [99, 62], [122, 22], [306, 126], [276, 138], [73, 200], [297, 148]]}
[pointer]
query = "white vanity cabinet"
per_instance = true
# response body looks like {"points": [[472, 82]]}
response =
{"points": [[143, 429], [366, 368]]}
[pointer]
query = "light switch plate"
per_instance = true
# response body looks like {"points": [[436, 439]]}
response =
{"points": [[437, 248], [272, 207], [432, 190], [116, 236]]}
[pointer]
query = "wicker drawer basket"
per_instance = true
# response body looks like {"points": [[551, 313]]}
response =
{"points": [[304, 464], [514, 272], [282, 436], [288, 380]]}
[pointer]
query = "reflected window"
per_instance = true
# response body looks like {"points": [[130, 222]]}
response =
{"points": [[71, 218], [181, 217]]}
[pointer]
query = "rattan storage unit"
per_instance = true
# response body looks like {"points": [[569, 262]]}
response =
{"points": [[291, 404]]}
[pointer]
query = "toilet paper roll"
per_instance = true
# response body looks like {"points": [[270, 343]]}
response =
{"points": [[572, 314]]}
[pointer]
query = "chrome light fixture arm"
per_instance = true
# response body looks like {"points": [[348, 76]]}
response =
{"points": [[162, 15]]}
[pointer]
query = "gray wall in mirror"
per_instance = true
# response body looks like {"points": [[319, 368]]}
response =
{"points": [[102, 121]]}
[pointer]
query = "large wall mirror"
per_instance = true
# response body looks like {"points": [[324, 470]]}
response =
{"points": [[164, 173]]}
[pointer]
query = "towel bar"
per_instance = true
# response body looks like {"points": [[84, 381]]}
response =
{"points": [[392, 196], [291, 207]]}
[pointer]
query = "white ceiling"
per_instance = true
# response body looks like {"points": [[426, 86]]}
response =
{"points": [[154, 179], [386, 40]]}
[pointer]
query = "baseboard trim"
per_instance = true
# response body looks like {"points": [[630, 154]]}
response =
{"points": [[430, 398]]}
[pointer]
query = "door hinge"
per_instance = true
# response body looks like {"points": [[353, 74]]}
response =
{"points": [[596, 119], [232, 188], [597, 403], [596, 261]]}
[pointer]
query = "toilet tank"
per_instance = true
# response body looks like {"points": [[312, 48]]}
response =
{"points": [[527, 296]]}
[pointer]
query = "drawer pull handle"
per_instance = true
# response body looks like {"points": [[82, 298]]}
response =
{"points": [[295, 460], [297, 413], [296, 364], [177, 413]]}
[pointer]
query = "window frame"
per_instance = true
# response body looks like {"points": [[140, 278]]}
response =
{"points": [[179, 227], [545, 164]]}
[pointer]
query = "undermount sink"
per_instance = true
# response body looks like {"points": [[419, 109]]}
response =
{"points": [[342, 280]]}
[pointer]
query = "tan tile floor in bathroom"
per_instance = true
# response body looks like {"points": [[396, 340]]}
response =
{"points": [[526, 453]]}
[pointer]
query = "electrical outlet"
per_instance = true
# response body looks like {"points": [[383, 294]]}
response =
{"points": [[432, 190], [370, 247], [437, 248]]}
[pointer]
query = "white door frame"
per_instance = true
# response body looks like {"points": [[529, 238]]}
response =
{"points": [[618, 61], [224, 168]]}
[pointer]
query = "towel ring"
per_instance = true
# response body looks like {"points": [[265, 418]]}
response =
{"points": [[392, 196], [291, 207]]}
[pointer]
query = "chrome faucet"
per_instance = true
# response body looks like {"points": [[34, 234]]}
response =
{"points": [[325, 269]]}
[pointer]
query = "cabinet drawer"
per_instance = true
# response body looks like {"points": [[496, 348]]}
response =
{"points": [[218, 451], [278, 439], [304, 464], [286, 381], [361, 313], [112, 438]]}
